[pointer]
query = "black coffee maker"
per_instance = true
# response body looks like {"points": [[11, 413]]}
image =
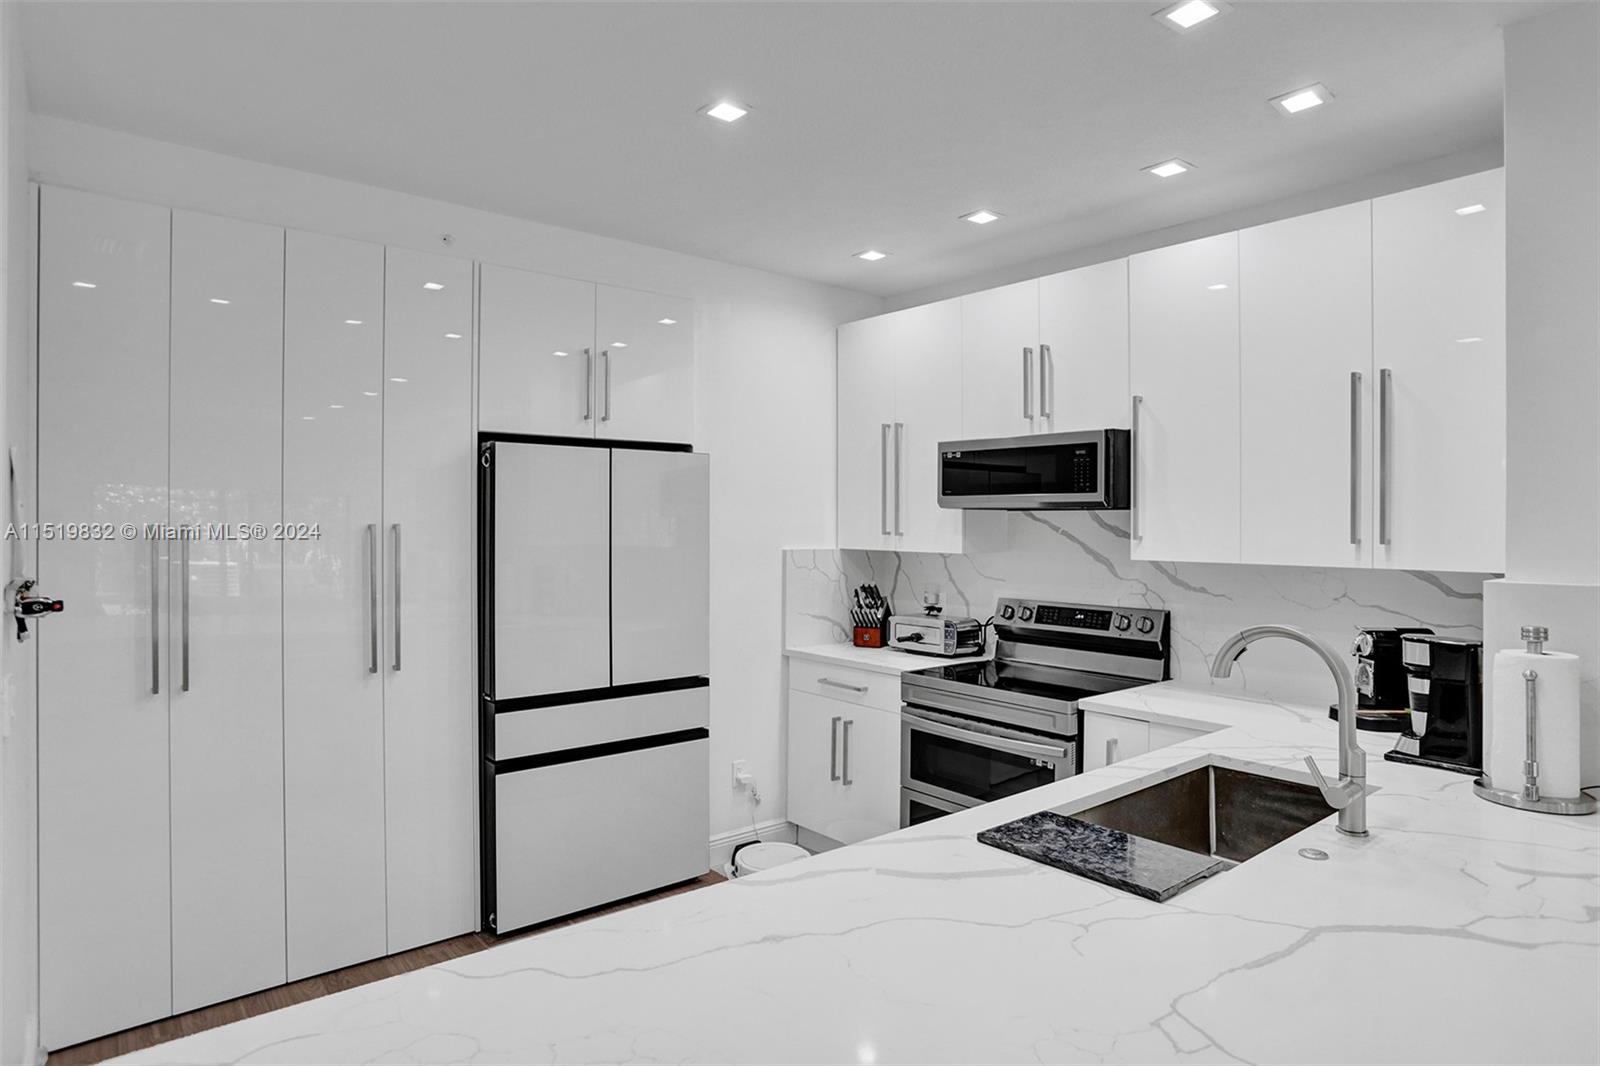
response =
{"points": [[1444, 684], [1380, 679]]}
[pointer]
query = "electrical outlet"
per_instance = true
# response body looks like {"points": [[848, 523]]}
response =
{"points": [[740, 774]]}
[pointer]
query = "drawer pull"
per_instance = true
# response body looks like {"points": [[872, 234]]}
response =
{"points": [[1111, 750], [831, 683]]}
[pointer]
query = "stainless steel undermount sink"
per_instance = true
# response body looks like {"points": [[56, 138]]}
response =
{"points": [[1213, 810]]}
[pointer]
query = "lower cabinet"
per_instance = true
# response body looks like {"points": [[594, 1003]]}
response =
{"points": [[1108, 738], [844, 766]]}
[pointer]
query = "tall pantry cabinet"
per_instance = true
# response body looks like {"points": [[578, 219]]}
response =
{"points": [[255, 751]]}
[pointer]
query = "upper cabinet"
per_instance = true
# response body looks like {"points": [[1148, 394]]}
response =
{"points": [[1439, 358], [1083, 348], [566, 358], [1184, 351], [1000, 362]]}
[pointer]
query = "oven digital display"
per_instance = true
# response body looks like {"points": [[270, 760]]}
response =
{"points": [[1073, 617]]}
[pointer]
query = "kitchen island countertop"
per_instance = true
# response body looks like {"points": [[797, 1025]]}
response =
{"points": [[1457, 932]]}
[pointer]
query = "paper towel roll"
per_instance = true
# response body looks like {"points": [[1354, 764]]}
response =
{"points": [[1507, 729]]}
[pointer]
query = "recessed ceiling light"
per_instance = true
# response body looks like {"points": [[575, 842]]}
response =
{"points": [[352, 322], [561, 355], [1302, 99], [1170, 169], [432, 286], [219, 300], [1218, 287], [725, 111], [399, 381], [666, 322], [452, 336], [872, 255], [619, 344], [981, 217], [1468, 340], [369, 394], [336, 407], [84, 285], [308, 418], [1188, 14], [1470, 209]]}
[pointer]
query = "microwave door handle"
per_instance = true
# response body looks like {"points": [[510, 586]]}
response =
{"points": [[989, 740]]}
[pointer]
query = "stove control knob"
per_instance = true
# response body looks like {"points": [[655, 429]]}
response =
{"points": [[1008, 612], [1122, 622], [1026, 614], [1146, 624]]}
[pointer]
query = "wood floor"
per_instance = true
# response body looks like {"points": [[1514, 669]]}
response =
{"points": [[299, 991]]}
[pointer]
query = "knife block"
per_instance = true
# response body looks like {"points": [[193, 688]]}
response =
{"points": [[868, 637]]}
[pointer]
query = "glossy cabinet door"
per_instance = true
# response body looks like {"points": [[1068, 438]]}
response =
{"points": [[1440, 364], [644, 374], [999, 338], [551, 597], [536, 356], [1108, 739], [104, 889], [1184, 366], [813, 762], [1083, 340], [225, 658], [867, 376], [1305, 353], [333, 610], [869, 775], [660, 565], [927, 410], [429, 663]]}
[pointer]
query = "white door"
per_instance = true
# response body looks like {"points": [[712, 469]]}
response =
{"points": [[1305, 355], [927, 410], [869, 774], [1439, 343], [552, 575], [813, 764], [429, 664], [1083, 336], [645, 383], [104, 889], [1108, 739], [226, 610], [999, 337], [536, 358], [867, 360], [1184, 366], [660, 565], [332, 609]]}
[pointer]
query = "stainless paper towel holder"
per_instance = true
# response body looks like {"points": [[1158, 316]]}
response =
{"points": [[1528, 798]]}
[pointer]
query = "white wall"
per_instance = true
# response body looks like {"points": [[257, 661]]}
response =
{"points": [[764, 406], [18, 791]]}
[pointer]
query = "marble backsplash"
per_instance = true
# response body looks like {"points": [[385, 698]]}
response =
{"points": [[1083, 557]]}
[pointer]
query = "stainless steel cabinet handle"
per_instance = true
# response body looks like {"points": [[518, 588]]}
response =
{"points": [[1111, 750], [1027, 383], [899, 446], [372, 597], [155, 617], [605, 378], [845, 747], [397, 595], [840, 684], [1385, 388], [183, 600], [1133, 472], [1355, 457], [1047, 380], [833, 750], [588, 384], [883, 477]]}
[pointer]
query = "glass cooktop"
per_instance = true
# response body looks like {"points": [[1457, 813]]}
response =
{"points": [[1044, 682]]}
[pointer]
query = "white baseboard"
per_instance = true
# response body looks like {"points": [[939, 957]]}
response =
{"points": [[722, 844]]}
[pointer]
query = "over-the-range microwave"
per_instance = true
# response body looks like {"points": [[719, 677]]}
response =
{"points": [[1087, 470]]}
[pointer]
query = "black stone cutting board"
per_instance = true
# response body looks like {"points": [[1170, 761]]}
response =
{"points": [[1144, 867]]}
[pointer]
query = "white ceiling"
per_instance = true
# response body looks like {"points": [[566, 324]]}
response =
{"points": [[872, 125]]}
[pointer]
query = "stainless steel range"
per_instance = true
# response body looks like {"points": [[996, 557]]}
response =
{"points": [[975, 732]]}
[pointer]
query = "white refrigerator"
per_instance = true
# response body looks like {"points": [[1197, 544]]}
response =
{"points": [[594, 596]]}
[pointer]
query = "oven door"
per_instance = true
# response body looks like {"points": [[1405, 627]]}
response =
{"points": [[915, 808], [967, 761]]}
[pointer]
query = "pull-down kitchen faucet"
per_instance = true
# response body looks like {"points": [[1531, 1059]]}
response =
{"points": [[1349, 795]]}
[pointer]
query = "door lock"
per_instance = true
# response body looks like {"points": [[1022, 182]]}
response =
{"points": [[25, 606]]}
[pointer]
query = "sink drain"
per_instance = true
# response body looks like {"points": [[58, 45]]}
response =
{"points": [[1314, 854]]}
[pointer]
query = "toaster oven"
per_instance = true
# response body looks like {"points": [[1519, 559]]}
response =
{"points": [[935, 634]]}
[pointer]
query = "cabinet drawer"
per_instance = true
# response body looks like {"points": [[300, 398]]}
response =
{"points": [[577, 725], [845, 683]]}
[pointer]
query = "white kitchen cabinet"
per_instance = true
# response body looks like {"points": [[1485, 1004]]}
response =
{"points": [[843, 767], [105, 907], [1083, 348], [1305, 296], [536, 353], [1110, 738], [1001, 366], [868, 359], [1184, 369], [225, 658], [1440, 366], [333, 602], [429, 661], [644, 380]]}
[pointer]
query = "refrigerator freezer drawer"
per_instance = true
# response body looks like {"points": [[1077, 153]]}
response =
{"points": [[541, 730], [575, 835]]}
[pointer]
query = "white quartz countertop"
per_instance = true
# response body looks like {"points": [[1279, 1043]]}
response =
{"points": [[881, 660], [1458, 932]]}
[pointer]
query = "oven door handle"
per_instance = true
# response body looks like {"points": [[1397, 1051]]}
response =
{"points": [[998, 741]]}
